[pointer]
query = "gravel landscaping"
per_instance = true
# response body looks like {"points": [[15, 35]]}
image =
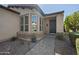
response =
{"points": [[17, 47], [48, 45], [64, 47]]}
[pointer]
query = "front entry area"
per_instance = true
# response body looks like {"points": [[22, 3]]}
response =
{"points": [[52, 25]]}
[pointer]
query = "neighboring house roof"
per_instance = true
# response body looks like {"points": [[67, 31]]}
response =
{"points": [[9, 9], [54, 13], [30, 6]]}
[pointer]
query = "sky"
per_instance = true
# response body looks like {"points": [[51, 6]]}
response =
{"points": [[67, 8]]}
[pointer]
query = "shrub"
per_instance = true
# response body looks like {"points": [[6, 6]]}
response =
{"points": [[33, 38], [72, 38], [13, 38], [60, 36]]}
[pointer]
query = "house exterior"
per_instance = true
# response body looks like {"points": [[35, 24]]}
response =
{"points": [[27, 19]]}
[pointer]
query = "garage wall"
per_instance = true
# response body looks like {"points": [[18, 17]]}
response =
{"points": [[9, 24]]}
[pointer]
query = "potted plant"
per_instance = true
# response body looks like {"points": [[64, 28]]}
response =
{"points": [[14, 38], [33, 38]]}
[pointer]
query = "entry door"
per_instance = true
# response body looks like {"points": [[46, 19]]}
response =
{"points": [[52, 25]]}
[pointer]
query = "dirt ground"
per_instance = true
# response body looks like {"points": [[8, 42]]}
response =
{"points": [[18, 47]]}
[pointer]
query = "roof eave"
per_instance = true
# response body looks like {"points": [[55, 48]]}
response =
{"points": [[31, 7], [60, 12], [9, 9]]}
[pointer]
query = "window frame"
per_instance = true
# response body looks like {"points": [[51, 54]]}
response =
{"points": [[24, 24], [36, 22]]}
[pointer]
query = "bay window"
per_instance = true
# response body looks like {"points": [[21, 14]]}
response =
{"points": [[36, 24]]}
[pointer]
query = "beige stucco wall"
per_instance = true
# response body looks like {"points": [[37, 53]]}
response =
{"points": [[59, 21], [9, 24], [47, 24]]}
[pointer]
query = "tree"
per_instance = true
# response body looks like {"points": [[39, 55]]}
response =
{"points": [[72, 22]]}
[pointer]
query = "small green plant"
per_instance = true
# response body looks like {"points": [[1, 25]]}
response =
{"points": [[33, 38], [13, 38], [60, 36]]}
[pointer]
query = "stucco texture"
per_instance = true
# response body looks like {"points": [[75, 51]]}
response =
{"points": [[9, 24]]}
